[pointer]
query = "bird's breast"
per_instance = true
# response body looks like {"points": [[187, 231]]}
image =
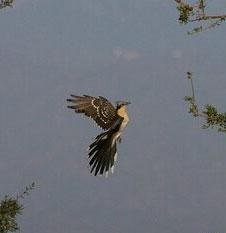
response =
{"points": [[123, 113], [124, 124]]}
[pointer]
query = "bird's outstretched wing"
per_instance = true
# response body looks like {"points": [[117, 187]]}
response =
{"points": [[98, 108]]}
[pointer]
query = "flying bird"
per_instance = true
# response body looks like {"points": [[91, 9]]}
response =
{"points": [[103, 151]]}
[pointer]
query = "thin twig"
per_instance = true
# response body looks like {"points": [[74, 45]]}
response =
{"points": [[194, 107]]}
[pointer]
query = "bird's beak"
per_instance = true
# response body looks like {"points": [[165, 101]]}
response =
{"points": [[127, 103]]}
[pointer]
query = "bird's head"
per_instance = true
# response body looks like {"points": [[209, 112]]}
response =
{"points": [[121, 103]]}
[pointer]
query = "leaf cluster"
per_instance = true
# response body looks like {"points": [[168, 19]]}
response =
{"points": [[10, 208], [6, 3], [193, 108], [214, 118], [210, 113], [196, 12], [185, 12]]}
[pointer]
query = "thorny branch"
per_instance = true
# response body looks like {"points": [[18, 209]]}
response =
{"points": [[189, 13], [210, 114]]}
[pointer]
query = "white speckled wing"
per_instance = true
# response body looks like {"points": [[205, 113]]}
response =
{"points": [[98, 108]]}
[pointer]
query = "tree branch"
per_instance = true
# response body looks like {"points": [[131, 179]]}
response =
{"points": [[189, 13], [212, 117]]}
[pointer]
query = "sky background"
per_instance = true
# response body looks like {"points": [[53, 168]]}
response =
{"points": [[170, 176]]}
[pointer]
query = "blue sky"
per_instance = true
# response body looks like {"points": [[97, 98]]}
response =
{"points": [[170, 174]]}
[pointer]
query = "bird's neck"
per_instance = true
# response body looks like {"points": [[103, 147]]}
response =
{"points": [[122, 112]]}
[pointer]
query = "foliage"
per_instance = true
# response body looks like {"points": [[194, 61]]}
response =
{"points": [[10, 208], [212, 117], [185, 12], [196, 12], [6, 3]]}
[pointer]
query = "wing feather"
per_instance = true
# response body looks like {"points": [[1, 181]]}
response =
{"points": [[98, 108]]}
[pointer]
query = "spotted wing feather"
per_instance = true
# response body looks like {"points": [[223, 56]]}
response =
{"points": [[98, 108]]}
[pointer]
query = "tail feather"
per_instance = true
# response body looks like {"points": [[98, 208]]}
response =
{"points": [[98, 139], [94, 165], [102, 153]]}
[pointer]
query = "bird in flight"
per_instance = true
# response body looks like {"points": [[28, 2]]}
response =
{"points": [[103, 151]]}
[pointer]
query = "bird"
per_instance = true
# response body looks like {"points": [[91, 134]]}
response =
{"points": [[102, 153]]}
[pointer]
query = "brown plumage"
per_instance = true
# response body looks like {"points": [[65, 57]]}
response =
{"points": [[99, 109], [103, 151]]}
